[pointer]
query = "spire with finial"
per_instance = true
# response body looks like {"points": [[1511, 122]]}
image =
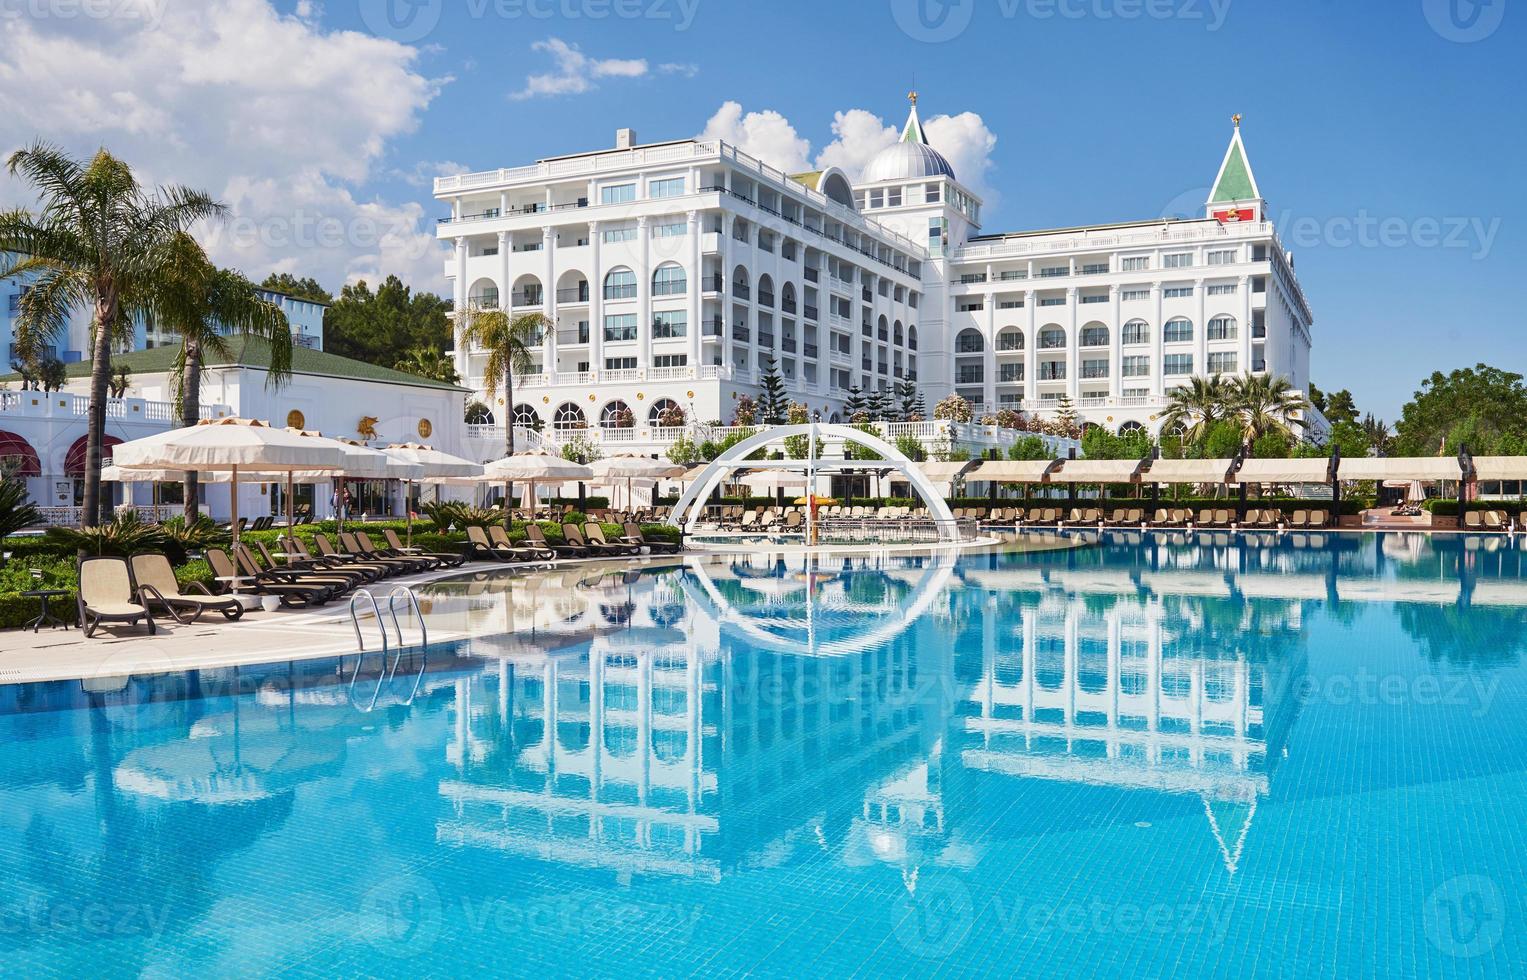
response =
{"points": [[1235, 183], [1237, 120], [912, 132]]}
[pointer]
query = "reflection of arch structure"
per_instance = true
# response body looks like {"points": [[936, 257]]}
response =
{"points": [[686, 513], [933, 579]]}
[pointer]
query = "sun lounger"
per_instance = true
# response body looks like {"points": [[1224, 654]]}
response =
{"points": [[157, 587], [575, 538], [290, 594], [634, 536], [108, 594], [337, 583], [521, 552], [1319, 518], [594, 534], [441, 559]]}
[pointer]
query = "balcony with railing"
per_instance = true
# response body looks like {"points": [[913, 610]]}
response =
{"points": [[572, 338], [1010, 373], [741, 332], [713, 284], [525, 297], [765, 298], [741, 290], [578, 294]]}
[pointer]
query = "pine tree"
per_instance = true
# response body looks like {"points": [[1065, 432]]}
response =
{"points": [[1065, 413], [909, 399], [773, 403], [880, 404], [854, 403]]}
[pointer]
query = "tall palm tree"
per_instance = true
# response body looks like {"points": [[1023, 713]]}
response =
{"points": [[100, 242], [509, 341], [205, 305], [1196, 406], [1264, 404]]}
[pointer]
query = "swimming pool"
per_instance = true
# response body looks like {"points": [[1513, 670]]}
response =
{"points": [[1156, 756]]}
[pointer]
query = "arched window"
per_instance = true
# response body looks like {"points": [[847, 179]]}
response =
{"points": [[1052, 338], [765, 291], [740, 283], [912, 338], [969, 341], [1178, 330], [669, 280], [665, 412], [787, 297], [620, 283], [526, 416], [1094, 335], [1130, 426], [1222, 328], [526, 292], [1136, 332], [1010, 339], [569, 416], [898, 334], [483, 295], [616, 415]]}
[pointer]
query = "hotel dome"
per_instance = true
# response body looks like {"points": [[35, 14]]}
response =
{"points": [[910, 157]]}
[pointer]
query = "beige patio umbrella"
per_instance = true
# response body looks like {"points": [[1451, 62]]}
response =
{"points": [[629, 467], [532, 468], [230, 445], [360, 462], [434, 465]]}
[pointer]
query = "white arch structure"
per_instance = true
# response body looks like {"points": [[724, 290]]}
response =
{"points": [[686, 513]]}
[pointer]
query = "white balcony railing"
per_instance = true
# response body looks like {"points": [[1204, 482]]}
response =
{"points": [[63, 404]]}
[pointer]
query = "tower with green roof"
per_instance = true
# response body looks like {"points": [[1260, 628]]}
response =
{"points": [[1235, 190]]}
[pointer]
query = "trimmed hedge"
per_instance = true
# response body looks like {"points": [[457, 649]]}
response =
{"points": [[1443, 507]]}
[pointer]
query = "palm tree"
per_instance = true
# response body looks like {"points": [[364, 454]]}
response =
{"points": [[428, 362], [1196, 406], [205, 305], [1264, 404], [509, 340], [98, 241]]}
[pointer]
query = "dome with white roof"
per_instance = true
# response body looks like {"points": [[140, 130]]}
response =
{"points": [[910, 158]]}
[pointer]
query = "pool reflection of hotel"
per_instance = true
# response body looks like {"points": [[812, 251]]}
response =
{"points": [[674, 272], [635, 756]]}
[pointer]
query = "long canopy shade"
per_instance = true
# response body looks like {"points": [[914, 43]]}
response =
{"points": [[1188, 471], [1011, 471], [945, 472], [624, 466], [1400, 468], [1283, 471], [1097, 471], [1500, 467]]}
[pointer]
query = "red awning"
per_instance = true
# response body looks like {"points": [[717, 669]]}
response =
{"points": [[18, 451], [74, 460]]}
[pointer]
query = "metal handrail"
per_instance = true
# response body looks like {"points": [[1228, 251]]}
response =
{"points": [[409, 594], [356, 622]]}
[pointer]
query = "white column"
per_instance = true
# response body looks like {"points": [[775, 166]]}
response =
{"points": [[596, 301], [696, 286], [643, 296], [989, 358], [1073, 347], [1243, 289], [549, 299], [1201, 330], [1158, 341], [1031, 352], [1115, 346], [460, 303]]}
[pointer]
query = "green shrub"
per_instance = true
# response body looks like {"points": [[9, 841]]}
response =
{"points": [[125, 536], [16, 508]]}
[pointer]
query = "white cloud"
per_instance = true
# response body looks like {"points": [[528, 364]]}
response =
{"points": [[766, 135], [684, 69], [423, 173], [576, 72], [858, 135], [281, 120]]}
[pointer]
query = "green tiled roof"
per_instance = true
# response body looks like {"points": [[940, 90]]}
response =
{"points": [[252, 352], [1235, 182]]}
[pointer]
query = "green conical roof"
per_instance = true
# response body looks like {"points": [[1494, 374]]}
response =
{"points": [[1235, 181]]}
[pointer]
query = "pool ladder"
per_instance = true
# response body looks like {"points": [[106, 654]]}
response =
{"points": [[401, 591], [389, 670]]}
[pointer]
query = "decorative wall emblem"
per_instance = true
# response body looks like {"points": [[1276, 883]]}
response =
{"points": [[366, 427], [424, 428], [641, 396], [296, 420]]}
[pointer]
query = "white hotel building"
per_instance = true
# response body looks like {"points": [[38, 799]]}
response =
{"points": [[676, 271]]}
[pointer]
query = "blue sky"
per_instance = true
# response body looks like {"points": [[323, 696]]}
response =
{"points": [[1386, 138]]}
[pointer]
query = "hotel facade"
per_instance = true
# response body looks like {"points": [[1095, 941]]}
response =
{"points": [[677, 273]]}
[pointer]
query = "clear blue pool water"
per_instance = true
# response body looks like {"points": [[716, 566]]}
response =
{"points": [[1162, 756]]}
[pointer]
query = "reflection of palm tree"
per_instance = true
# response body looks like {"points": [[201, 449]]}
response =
{"points": [[1451, 633]]}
